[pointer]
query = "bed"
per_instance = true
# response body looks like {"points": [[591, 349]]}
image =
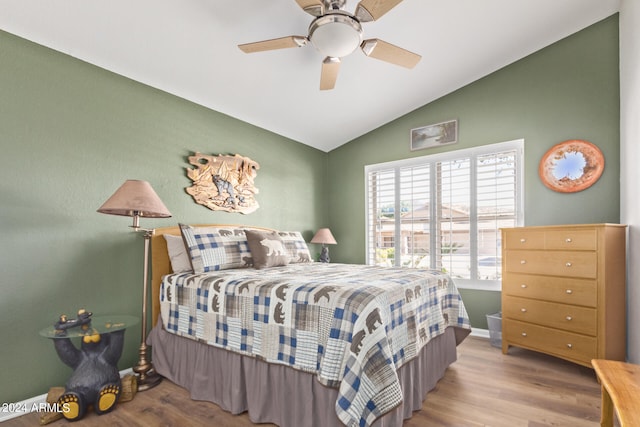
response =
{"points": [[295, 342]]}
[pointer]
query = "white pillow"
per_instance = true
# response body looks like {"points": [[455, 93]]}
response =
{"points": [[180, 262]]}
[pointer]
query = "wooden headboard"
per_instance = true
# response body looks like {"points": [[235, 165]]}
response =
{"points": [[161, 265]]}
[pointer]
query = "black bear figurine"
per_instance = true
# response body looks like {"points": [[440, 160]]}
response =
{"points": [[95, 379]]}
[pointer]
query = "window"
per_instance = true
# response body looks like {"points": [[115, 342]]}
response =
{"points": [[445, 211]]}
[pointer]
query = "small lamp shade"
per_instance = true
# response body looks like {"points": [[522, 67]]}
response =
{"points": [[135, 198], [324, 236]]}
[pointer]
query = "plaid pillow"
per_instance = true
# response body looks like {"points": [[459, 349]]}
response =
{"points": [[296, 246], [213, 248]]}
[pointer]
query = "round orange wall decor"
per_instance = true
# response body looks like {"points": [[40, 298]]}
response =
{"points": [[571, 166]]}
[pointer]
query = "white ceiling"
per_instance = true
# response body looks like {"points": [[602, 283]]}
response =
{"points": [[189, 49]]}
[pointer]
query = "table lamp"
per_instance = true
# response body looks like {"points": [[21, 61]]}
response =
{"points": [[137, 199], [325, 237]]}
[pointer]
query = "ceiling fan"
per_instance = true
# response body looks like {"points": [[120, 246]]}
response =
{"points": [[337, 33]]}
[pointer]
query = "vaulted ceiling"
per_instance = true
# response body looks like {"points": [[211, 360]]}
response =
{"points": [[189, 49]]}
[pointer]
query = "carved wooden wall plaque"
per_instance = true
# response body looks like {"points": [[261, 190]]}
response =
{"points": [[224, 182]]}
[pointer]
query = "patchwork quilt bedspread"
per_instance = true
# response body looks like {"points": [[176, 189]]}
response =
{"points": [[352, 326]]}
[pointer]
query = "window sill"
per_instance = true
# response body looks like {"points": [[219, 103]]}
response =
{"points": [[479, 285]]}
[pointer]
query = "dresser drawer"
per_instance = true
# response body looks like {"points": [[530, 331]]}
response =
{"points": [[523, 239], [556, 289], [570, 318], [552, 263], [557, 239], [552, 341], [582, 240]]}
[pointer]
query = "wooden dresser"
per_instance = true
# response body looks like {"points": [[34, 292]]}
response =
{"points": [[563, 291]]}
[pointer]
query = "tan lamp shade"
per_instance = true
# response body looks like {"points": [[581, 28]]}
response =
{"points": [[324, 236], [135, 198]]}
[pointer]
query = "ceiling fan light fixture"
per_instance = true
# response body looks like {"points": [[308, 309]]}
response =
{"points": [[336, 34]]}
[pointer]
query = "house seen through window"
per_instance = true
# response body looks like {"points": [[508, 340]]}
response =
{"points": [[445, 211]]}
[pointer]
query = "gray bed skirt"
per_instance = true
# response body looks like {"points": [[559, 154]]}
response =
{"points": [[277, 394]]}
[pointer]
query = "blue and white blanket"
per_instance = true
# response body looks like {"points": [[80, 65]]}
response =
{"points": [[352, 326]]}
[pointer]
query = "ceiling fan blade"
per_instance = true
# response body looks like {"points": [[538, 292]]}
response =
{"points": [[330, 68], [273, 44], [312, 7], [372, 10], [384, 51]]}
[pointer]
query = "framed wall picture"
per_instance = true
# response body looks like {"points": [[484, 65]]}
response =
{"points": [[434, 135]]}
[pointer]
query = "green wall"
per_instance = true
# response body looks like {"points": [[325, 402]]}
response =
{"points": [[569, 90], [70, 135]]}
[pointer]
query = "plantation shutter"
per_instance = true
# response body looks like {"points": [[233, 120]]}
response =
{"points": [[496, 208], [445, 211], [453, 212], [415, 216], [381, 191]]}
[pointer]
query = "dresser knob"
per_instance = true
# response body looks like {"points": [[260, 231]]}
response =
{"points": [[524, 334], [523, 261], [569, 345], [523, 286], [523, 240], [568, 264], [524, 310], [569, 291], [568, 240], [569, 318]]}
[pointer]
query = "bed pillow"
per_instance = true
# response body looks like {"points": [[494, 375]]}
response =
{"points": [[213, 248], [178, 255], [296, 246], [267, 249], [236, 234]]}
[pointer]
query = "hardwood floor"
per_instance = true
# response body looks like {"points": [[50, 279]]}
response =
{"points": [[483, 388]]}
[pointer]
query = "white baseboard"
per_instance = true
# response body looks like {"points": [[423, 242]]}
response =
{"points": [[480, 333], [9, 411], [18, 409]]}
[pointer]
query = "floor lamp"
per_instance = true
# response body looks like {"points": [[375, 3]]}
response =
{"points": [[137, 199]]}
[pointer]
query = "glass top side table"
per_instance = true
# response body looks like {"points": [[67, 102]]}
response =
{"points": [[96, 325]]}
